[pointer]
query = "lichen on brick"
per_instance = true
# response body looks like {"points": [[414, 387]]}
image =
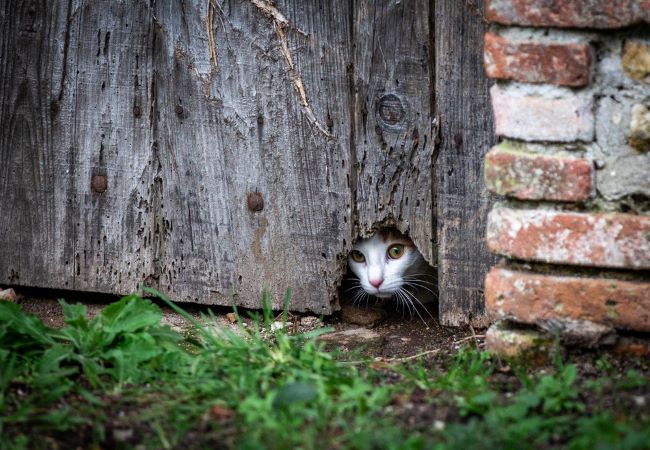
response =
{"points": [[640, 128], [511, 171], [636, 60]]}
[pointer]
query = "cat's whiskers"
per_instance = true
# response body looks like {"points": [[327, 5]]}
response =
{"points": [[409, 294], [357, 286], [405, 302], [412, 307], [417, 285], [359, 295], [399, 304], [420, 282], [419, 279]]}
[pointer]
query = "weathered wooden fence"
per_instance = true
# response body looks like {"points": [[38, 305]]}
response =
{"points": [[209, 148]]}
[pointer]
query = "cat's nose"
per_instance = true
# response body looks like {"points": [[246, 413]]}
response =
{"points": [[376, 283]]}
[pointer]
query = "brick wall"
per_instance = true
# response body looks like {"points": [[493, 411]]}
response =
{"points": [[571, 102]]}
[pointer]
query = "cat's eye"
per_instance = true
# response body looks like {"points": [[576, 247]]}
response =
{"points": [[395, 251], [357, 256]]}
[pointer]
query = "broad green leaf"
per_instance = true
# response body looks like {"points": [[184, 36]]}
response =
{"points": [[20, 329], [130, 314]]}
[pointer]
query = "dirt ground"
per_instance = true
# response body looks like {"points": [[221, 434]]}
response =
{"points": [[383, 330], [387, 332]]}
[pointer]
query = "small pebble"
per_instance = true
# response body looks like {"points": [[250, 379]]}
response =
{"points": [[278, 325], [308, 321], [122, 435], [8, 295]]}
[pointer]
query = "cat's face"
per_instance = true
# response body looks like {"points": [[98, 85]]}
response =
{"points": [[382, 262]]}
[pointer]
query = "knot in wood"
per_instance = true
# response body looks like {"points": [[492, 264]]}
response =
{"points": [[255, 201], [99, 183], [390, 109]]}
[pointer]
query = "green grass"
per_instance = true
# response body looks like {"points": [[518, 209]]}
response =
{"points": [[122, 380]]}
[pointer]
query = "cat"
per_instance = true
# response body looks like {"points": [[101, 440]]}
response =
{"points": [[388, 265]]}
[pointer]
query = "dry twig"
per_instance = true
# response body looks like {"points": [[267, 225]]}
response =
{"points": [[281, 23]]}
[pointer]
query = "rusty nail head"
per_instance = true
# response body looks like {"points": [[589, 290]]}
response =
{"points": [[378, 130], [99, 183], [136, 111], [179, 110], [255, 201]]}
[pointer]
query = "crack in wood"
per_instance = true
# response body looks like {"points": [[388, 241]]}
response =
{"points": [[66, 46], [281, 23], [212, 47]]}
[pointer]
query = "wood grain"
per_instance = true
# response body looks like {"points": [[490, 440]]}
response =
{"points": [[36, 240], [466, 133]]}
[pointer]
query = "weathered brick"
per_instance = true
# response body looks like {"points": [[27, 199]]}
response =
{"points": [[534, 298], [636, 59], [512, 172], [601, 14], [530, 116], [533, 62], [506, 341], [600, 240]]}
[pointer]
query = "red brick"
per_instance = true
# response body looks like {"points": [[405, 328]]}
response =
{"points": [[599, 240], [525, 114], [531, 62], [527, 176], [534, 298], [568, 13]]}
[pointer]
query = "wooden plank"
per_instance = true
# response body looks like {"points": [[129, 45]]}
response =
{"points": [[37, 158], [74, 150], [108, 103], [466, 133], [35, 239], [393, 129], [146, 128], [231, 121]]}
